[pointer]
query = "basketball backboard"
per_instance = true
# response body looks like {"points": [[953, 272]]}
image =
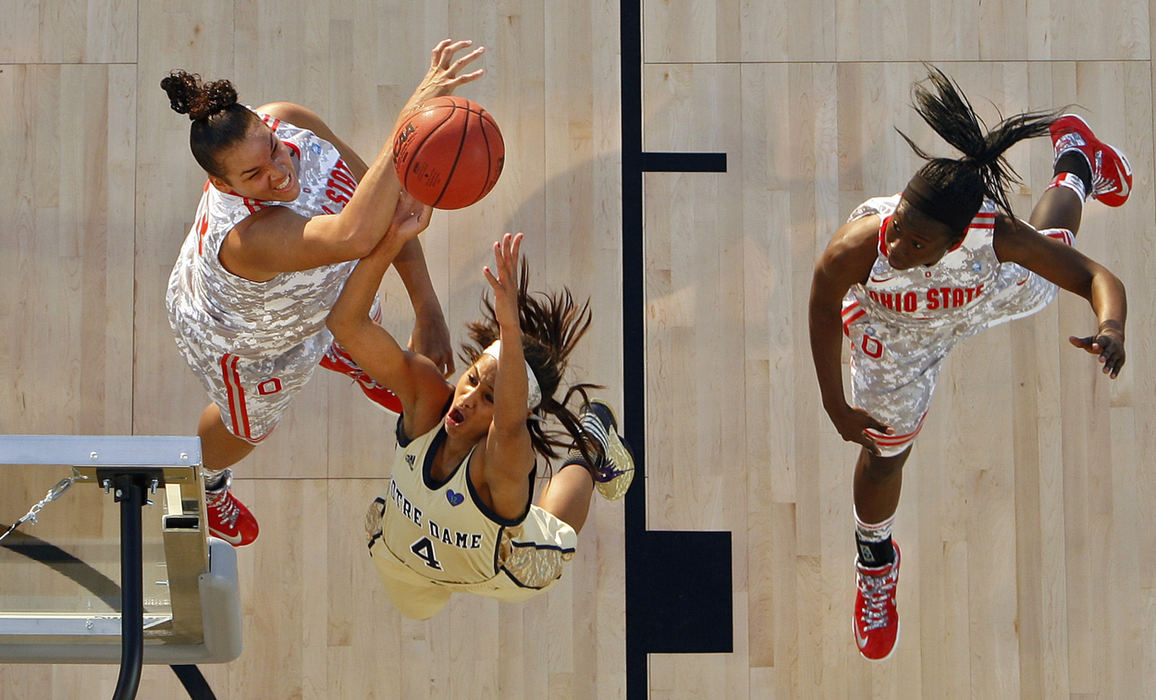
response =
{"points": [[60, 594]]}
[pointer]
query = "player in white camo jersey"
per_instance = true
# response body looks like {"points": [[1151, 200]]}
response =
{"points": [[287, 210], [457, 515], [909, 276]]}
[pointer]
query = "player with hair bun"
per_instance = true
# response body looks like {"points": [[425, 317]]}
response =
{"points": [[909, 276], [287, 210]]}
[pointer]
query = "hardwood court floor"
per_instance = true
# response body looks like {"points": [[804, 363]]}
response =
{"points": [[1026, 520]]}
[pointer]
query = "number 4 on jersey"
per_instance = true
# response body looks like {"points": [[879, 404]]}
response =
{"points": [[424, 549]]}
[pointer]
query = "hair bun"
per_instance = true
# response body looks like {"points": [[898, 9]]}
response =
{"points": [[188, 95]]}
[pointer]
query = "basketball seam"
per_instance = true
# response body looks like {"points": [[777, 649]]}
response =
{"points": [[458, 155], [489, 155], [418, 146]]}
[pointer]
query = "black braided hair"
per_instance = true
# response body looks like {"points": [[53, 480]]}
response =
{"points": [[552, 324], [983, 171], [219, 121]]}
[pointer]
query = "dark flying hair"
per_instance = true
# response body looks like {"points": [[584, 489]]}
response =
{"points": [[552, 324], [219, 121], [952, 190]]}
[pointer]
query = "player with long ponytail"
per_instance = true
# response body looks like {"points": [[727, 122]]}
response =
{"points": [[909, 276]]}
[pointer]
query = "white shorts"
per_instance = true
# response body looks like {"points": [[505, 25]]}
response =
{"points": [[253, 393], [893, 376], [531, 559]]}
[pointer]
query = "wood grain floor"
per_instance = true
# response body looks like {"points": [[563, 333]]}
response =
{"points": [[1027, 518]]}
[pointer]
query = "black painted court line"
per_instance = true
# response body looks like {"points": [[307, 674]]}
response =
{"points": [[678, 584]]}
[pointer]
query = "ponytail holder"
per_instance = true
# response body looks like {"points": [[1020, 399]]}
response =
{"points": [[534, 395]]}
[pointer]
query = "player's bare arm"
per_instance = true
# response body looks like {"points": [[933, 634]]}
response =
{"points": [[1068, 268], [846, 261], [276, 240], [509, 451], [418, 384], [431, 336]]}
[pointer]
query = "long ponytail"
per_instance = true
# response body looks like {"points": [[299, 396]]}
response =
{"points": [[954, 189]]}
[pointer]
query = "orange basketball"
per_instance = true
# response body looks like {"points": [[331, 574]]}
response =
{"points": [[449, 152]]}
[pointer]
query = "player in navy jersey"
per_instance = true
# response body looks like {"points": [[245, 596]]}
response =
{"points": [[287, 210], [909, 276]]}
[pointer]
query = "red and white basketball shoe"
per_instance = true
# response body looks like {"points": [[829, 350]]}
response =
{"points": [[876, 620], [229, 519], [337, 360], [1111, 172]]}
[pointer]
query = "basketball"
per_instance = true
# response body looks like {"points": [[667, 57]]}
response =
{"points": [[449, 152]]}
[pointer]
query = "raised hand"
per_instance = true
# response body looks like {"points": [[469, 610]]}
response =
{"points": [[444, 73], [505, 282]]}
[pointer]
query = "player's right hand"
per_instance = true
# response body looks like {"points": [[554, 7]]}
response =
{"points": [[853, 422], [410, 217], [444, 73], [1108, 344]]}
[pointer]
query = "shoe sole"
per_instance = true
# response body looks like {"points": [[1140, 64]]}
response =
{"points": [[619, 453]]}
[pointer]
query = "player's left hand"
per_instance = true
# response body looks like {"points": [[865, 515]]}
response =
{"points": [[505, 281], [1108, 344]]}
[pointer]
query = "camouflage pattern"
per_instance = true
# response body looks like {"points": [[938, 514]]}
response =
{"points": [[903, 323], [253, 345]]}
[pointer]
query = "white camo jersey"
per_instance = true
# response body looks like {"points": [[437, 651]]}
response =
{"points": [[902, 323], [209, 305]]}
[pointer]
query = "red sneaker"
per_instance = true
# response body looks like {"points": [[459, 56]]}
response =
{"points": [[229, 519], [1111, 172], [876, 622], [337, 360]]}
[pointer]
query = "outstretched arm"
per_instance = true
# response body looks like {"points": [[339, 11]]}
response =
{"points": [[431, 335], [276, 239], [846, 261], [1017, 242], [509, 450], [419, 385]]}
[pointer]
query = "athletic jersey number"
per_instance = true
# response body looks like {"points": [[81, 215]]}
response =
{"points": [[872, 346], [424, 549]]}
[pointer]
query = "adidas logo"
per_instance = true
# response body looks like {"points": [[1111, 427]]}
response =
{"points": [[410, 460]]}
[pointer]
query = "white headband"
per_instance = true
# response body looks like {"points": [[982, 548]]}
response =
{"points": [[534, 396]]}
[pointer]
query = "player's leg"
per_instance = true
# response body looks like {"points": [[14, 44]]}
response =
{"points": [[567, 494], [1083, 166], [219, 447], [877, 484], [249, 399], [897, 391], [228, 518]]}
